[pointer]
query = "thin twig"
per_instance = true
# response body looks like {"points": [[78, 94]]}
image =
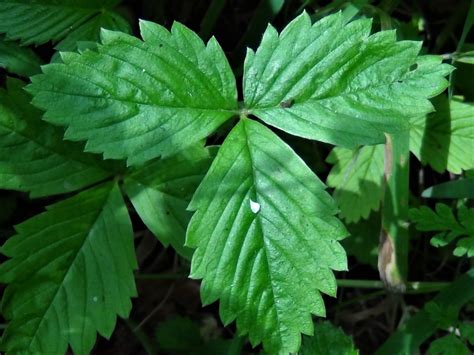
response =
{"points": [[156, 309]]}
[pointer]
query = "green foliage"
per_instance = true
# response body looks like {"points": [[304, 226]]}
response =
{"points": [[257, 249], [38, 22], [449, 227], [440, 139], [256, 222], [19, 60], [448, 345], [316, 81], [327, 340], [42, 164], [467, 332], [180, 335], [444, 316], [363, 242], [161, 190], [70, 273], [357, 177], [149, 98], [460, 188], [411, 335]]}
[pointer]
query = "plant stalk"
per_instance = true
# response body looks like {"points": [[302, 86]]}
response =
{"points": [[393, 247]]}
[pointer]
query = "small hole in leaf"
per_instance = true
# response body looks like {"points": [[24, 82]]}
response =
{"points": [[287, 103], [160, 45], [413, 67]]}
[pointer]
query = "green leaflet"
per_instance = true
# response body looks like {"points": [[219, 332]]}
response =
{"points": [[41, 21], [141, 99], [90, 30], [410, 335], [363, 241], [357, 177], [19, 60], [440, 139], [467, 332], [445, 138], [453, 189], [70, 273], [448, 226], [33, 156], [266, 238], [161, 190], [327, 339], [333, 82], [180, 335], [448, 345]]}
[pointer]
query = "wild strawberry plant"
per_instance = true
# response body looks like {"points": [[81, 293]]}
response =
{"points": [[125, 118]]}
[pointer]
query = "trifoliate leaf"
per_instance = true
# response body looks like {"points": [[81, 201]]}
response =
{"points": [[70, 274], [161, 190], [357, 177], [327, 339], [141, 99], [445, 139], [19, 60], [266, 238], [41, 21], [443, 221], [448, 345], [334, 82], [33, 156]]}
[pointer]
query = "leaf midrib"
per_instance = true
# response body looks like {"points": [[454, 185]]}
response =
{"points": [[60, 285]]}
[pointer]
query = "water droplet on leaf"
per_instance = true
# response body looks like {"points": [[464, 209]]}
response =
{"points": [[254, 206]]}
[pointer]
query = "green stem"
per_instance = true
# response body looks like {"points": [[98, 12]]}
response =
{"points": [[411, 287], [144, 340], [212, 14], [467, 27], [408, 338], [393, 249]]}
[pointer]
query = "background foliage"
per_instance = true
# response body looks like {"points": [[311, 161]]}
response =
{"points": [[145, 141]]}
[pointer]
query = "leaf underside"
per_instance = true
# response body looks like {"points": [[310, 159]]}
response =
{"points": [[445, 138], [70, 274], [141, 99], [161, 190], [266, 238], [334, 82], [357, 177]]}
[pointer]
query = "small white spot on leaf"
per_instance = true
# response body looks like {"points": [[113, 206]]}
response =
{"points": [[95, 299], [254, 206]]}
